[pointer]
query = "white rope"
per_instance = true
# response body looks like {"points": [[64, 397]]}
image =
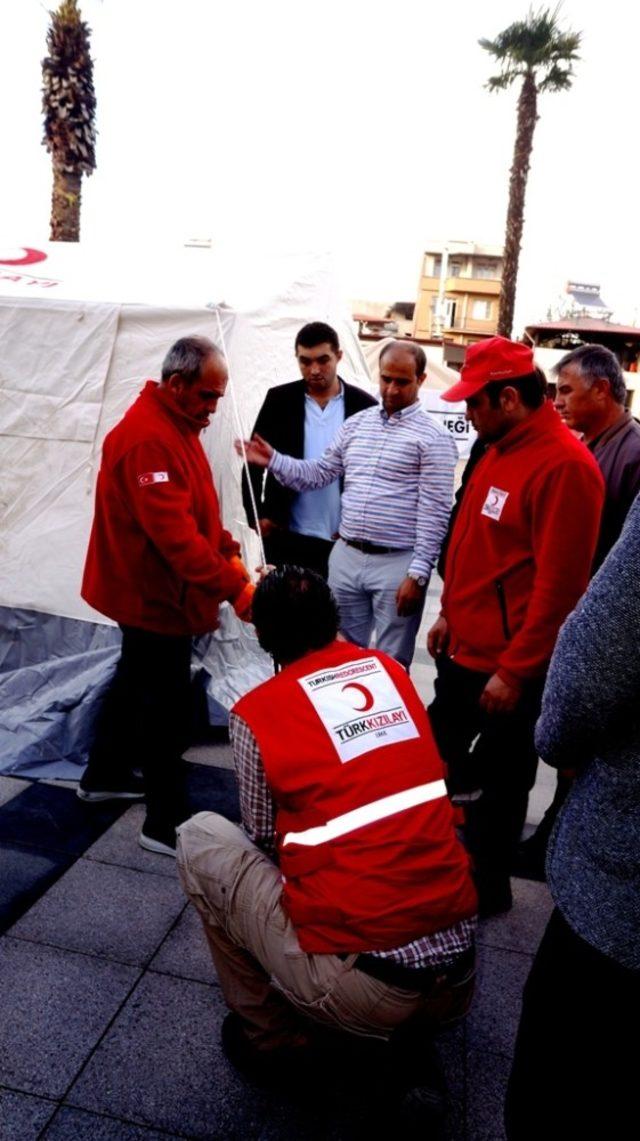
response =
{"points": [[240, 431]]}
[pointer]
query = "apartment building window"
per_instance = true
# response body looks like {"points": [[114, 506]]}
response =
{"points": [[481, 310], [486, 269]]}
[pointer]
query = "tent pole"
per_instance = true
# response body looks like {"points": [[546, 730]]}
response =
{"points": [[240, 431]]}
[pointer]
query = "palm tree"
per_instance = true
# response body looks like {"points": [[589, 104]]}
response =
{"points": [[69, 105], [538, 52]]}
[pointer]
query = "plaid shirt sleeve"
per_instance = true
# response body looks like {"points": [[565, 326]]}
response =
{"points": [[257, 806]]}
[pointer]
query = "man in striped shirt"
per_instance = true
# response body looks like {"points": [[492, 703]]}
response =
{"points": [[398, 468]]}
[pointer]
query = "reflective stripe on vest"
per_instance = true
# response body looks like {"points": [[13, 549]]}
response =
{"points": [[367, 814]]}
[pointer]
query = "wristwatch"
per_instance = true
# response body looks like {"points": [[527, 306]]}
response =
{"points": [[419, 578]]}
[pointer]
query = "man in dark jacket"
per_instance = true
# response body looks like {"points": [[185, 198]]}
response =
{"points": [[301, 419], [159, 563]]}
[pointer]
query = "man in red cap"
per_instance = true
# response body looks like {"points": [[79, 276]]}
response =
{"points": [[518, 560]]}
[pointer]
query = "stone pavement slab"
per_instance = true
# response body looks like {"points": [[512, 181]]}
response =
{"points": [[76, 1125], [52, 819], [54, 1007], [22, 1117], [493, 1019], [219, 753], [522, 928], [10, 787], [487, 1076], [451, 1046], [213, 790], [119, 846], [25, 875], [161, 1064], [99, 909], [185, 951]]}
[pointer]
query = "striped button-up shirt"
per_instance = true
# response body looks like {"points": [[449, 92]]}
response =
{"points": [[258, 811], [398, 480]]}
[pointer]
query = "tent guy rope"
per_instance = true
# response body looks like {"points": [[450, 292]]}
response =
{"points": [[241, 436]]}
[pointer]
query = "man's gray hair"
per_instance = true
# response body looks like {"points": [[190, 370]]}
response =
{"points": [[187, 357], [596, 362], [417, 353]]}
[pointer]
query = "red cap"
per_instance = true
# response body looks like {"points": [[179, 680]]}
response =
{"points": [[486, 361]]}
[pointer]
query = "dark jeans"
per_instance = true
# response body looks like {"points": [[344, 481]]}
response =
{"points": [[494, 752], [574, 1070], [144, 723], [298, 550]]}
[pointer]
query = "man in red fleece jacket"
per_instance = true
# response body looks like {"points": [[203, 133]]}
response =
{"points": [[518, 560], [159, 563]]}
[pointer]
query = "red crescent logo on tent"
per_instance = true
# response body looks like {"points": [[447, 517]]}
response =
{"points": [[30, 258], [366, 693]]}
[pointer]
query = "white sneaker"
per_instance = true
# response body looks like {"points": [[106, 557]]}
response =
{"points": [[150, 844], [105, 794]]}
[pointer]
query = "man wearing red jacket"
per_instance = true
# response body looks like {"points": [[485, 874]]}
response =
{"points": [[347, 899], [159, 563], [518, 560]]}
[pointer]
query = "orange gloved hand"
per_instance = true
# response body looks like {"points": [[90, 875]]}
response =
{"points": [[242, 602], [238, 565]]}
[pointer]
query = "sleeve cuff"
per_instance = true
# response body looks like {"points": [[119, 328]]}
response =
{"points": [[510, 679], [420, 567]]}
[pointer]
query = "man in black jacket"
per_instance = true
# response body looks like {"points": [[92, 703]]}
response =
{"points": [[300, 419]]}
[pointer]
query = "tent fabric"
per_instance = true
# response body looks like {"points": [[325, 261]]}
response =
{"points": [[54, 672], [80, 333]]}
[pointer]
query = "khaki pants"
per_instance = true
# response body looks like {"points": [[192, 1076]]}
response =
{"points": [[264, 975]]}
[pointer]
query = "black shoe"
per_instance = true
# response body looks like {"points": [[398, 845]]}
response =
{"points": [[530, 858], [494, 899], [464, 787], [419, 1104], [283, 1063]]}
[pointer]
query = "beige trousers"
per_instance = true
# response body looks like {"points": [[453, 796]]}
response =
{"points": [[264, 975]]}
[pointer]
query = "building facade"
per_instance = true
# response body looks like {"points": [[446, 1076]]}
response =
{"points": [[459, 293]]}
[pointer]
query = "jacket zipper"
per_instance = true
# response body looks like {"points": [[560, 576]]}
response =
{"points": [[502, 602]]}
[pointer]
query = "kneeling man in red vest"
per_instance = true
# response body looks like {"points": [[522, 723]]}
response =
{"points": [[346, 899]]}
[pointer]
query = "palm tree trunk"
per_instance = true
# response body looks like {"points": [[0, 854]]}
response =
{"points": [[527, 118], [65, 206]]}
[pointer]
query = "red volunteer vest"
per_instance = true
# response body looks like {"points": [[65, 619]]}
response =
{"points": [[364, 827]]}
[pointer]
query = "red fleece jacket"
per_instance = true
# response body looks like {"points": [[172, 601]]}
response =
{"points": [[521, 548], [158, 556]]}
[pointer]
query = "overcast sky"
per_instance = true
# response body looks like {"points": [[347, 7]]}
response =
{"points": [[351, 125]]}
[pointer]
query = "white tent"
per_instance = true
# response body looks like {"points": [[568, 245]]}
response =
{"points": [[80, 330]]}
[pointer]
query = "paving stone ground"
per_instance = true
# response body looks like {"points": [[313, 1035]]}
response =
{"points": [[109, 1006]]}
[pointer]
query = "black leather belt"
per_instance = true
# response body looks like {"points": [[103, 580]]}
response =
{"points": [[414, 978], [368, 548]]}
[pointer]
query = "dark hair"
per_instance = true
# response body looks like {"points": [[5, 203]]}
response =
{"points": [[293, 612], [187, 357], [317, 333], [532, 389], [595, 362], [417, 353]]}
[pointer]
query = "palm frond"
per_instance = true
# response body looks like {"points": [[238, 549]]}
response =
{"points": [[535, 45]]}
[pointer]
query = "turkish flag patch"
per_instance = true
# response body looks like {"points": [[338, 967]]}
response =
{"points": [[148, 477]]}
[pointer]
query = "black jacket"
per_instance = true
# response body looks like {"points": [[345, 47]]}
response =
{"points": [[281, 423]]}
